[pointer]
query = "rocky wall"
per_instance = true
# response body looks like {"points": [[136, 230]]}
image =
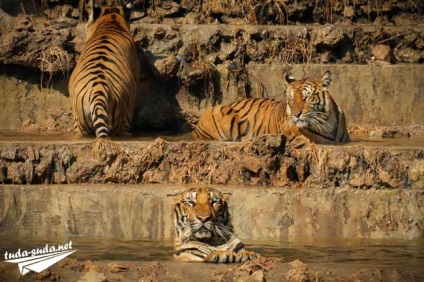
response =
{"points": [[249, 11], [266, 161], [145, 211]]}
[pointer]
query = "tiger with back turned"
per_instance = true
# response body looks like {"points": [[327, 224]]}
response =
{"points": [[310, 111], [103, 85], [204, 231]]}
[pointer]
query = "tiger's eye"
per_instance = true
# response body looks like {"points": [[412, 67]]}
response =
{"points": [[189, 203], [216, 205]]}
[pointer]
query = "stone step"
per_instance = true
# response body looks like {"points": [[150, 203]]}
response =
{"points": [[394, 163], [146, 211], [370, 96]]}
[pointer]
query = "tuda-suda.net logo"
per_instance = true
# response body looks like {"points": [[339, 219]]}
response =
{"points": [[38, 259]]}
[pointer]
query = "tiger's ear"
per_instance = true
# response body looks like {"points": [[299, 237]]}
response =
{"points": [[176, 196], [88, 7], [127, 9], [129, 4], [289, 79], [226, 197], [326, 79], [93, 9]]}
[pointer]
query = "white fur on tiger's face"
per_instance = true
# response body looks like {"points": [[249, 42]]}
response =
{"points": [[203, 228]]}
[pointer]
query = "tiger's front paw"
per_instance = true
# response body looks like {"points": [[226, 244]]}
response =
{"points": [[246, 255], [226, 256], [221, 256]]}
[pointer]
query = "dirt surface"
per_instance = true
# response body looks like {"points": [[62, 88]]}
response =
{"points": [[261, 269]]}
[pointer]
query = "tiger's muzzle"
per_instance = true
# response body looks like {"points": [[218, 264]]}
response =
{"points": [[202, 229]]}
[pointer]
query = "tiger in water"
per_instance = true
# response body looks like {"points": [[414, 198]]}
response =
{"points": [[103, 85], [310, 111], [203, 229]]}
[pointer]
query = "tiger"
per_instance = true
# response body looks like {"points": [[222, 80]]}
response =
{"points": [[204, 231], [103, 86], [308, 110]]}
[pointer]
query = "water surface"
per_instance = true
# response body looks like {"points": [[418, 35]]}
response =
{"points": [[334, 252]]}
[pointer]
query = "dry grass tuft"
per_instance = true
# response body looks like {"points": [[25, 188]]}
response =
{"points": [[55, 59], [106, 151], [265, 12], [197, 74], [296, 49], [415, 6]]}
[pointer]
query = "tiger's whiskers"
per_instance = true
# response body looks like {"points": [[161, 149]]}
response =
{"points": [[223, 231]]}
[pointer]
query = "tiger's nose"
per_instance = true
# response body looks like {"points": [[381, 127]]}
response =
{"points": [[298, 114], [203, 218]]}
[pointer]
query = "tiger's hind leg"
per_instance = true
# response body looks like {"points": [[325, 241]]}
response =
{"points": [[123, 130], [79, 130]]}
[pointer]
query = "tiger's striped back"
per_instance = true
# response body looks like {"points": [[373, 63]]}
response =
{"points": [[243, 120], [103, 85], [310, 111]]}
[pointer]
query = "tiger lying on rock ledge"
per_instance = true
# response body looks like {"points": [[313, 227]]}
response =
{"points": [[204, 232], [310, 111]]}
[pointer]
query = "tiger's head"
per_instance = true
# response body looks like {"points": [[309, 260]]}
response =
{"points": [[202, 215], [314, 112], [119, 10]]}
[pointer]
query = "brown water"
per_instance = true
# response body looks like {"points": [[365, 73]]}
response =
{"points": [[334, 252], [353, 252]]}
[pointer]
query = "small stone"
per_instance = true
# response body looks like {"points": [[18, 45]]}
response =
{"points": [[167, 68], [258, 275], [118, 267], [251, 164], [349, 12], [44, 274], [382, 53], [9, 153], [409, 55], [33, 154]]}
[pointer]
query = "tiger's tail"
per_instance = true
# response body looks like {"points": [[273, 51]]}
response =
{"points": [[99, 114]]}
